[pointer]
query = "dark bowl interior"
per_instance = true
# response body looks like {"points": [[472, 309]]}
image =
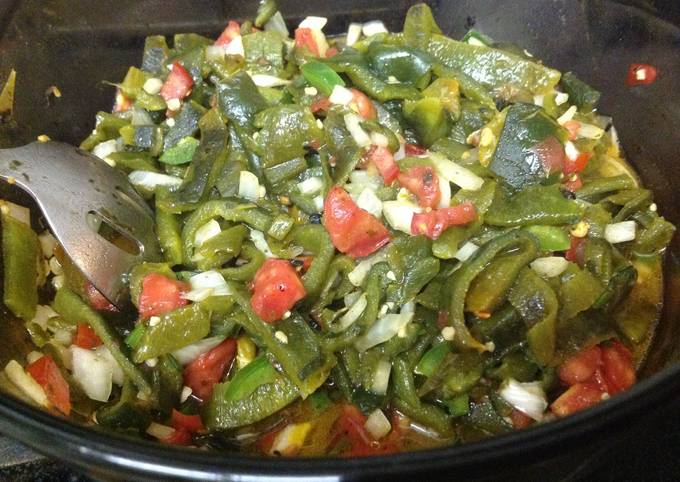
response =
{"points": [[76, 45]]}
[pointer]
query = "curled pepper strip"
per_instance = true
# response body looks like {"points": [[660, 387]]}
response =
{"points": [[460, 284]]}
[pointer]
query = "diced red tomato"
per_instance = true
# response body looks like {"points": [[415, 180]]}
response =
{"points": [[160, 294], [265, 442], [424, 183], [572, 127], [304, 38], [306, 263], [433, 223], [178, 84], [618, 370], [576, 250], [414, 150], [332, 51], [276, 289], [178, 437], [97, 300], [204, 372], [86, 337], [383, 159], [551, 154], [573, 183], [574, 166], [350, 424], [321, 105], [123, 103], [581, 367], [363, 105], [577, 397], [189, 423], [46, 372], [520, 420], [353, 231], [641, 74], [232, 31]]}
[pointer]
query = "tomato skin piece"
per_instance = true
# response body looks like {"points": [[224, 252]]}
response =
{"points": [[353, 230], [190, 423], [384, 161], [178, 84], [304, 38], [276, 289], [574, 166], [160, 294], [520, 420], [577, 397], [321, 105], [414, 150], [433, 223], [648, 72], [618, 369], [97, 300], [86, 337], [232, 31], [363, 105], [573, 184], [424, 183], [551, 154], [582, 366], [576, 250], [46, 372], [204, 372]]}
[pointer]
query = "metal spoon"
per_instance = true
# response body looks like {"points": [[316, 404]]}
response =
{"points": [[76, 192]]}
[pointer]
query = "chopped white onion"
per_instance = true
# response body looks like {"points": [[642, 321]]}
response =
{"points": [[105, 149], [353, 124], [140, 117], [361, 270], [456, 174], [318, 203], [93, 372], [567, 116], [589, 131], [310, 186], [159, 431], [47, 244], [208, 230], [561, 98], [528, 398], [63, 336], [445, 190], [277, 24], [263, 80], [538, 99], [571, 151], [33, 357], [235, 47], [368, 201], [42, 314], [117, 375], [289, 440], [150, 180], [206, 284], [152, 85], [248, 186], [377, 424], [381, 377], [466, 251], [189, 353], [620, 232], [549, 266], [382, 330], [341, 95], [258, 239], [28, 386], [314, 23], [399, 214], [215, 52], [352, 314], [379, 139], [353, 33], [373, 27]]}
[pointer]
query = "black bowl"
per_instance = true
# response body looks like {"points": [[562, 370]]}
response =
{"points": [[74, 45]]}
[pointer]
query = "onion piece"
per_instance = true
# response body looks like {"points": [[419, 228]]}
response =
{"points": [[466, 251], [571, 151], [310, 186], [206, 284], [352, 314], [353, 33], [445, 190], [381, 377], [314, 23], [377, 424], [117, 375], [620, 232], [549, 266], [248, 186], [561, 98], [24, 382], [150, 180], [361, 270], [382, 330], [353, 124], [589, 131], [456, 174], [189, 353], [277, 24], [235, 47], [567, 116], [263, 80], [42, 314], [528, 398], [159, 431], [399, 214], [368, 201], [93, 372], [341, 95], [105, 149], [289, 440], [373, 27], [258, 239], [208, 230], [47, 244]]}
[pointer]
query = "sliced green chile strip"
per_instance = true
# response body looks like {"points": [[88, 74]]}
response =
{"points": [[221, 208], [459, 285], [605, 185], [71, 307], [20, 251], [247, 271], [169, 236], [533, 205], [314, 239]]}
